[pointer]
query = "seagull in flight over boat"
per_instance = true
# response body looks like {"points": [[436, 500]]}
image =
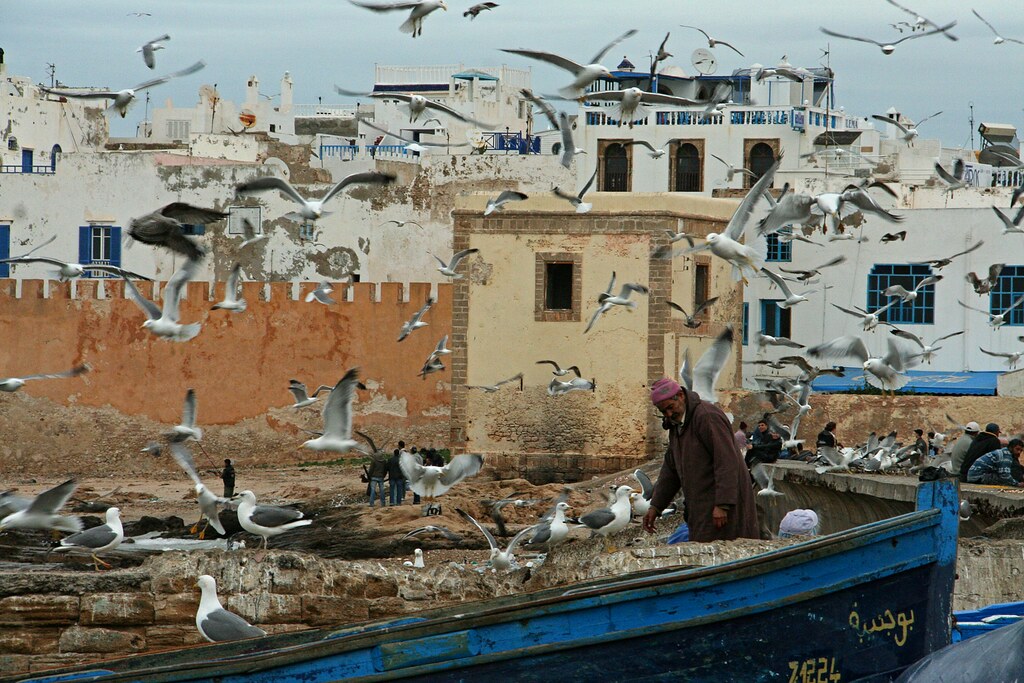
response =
{"points": [[868, 320], [163, 227], [208, 501], [889, 47], [500, 559], [311, 210], [122, 99], [266, 520], [921, 22], [996, 321], [149, 50], [927, 350], [337, 436], [569, 148], [632, 102], [607, 300], [577, 199], [692, 321], [419, 11], [430, 481], [68, 271], [322, 294], [584, 74], [249, 234], [12, 384], [791, 298], [885, 372], [703, 376], [1011, 358], [714, 42], [96, 539], [939, 264], [559, 371], [448, 269], [215, 623], [499, 202], [41, 513], [163, 322], [491, 388], [985, 286], [302, 399], [999, 40], [733, 170], [232, 302], [909, 130]]}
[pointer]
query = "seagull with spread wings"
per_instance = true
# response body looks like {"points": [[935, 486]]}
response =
{"points": [[68, 271], [430, 481], [12, 384], [999, 40], [337, 436], [122, 99], [558, 388], [632, 102], [955, 180], [500, 559], [908, 130], [322, 294], [714, 42], [558, 370], [869, 320], [885, 372], [1010, 225], [416, 321], [417, 106], [939, 264], [303, 399], [805, 275], [311, 210], [164, 322], [207, 500], [1011, 358], [476, 9], [888, 47], [653, 152], [607, 300], [232, 301], [584, 74], [569, 148], [693, 321], [791, 298], [418, 11], [41, 513], [249, 235], [922, 22], [984, 286], [731, 170], [149, 50], [577, 199], [763, 340], [491, 388], [908, 296], [187, 428], [927, 350], [448, 269], [163, 227], [498, 203], [996, 320], [545, 107], [703, 376]]}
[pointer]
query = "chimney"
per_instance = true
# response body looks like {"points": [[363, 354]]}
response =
{"points": [[286, 91], [252, 92]]}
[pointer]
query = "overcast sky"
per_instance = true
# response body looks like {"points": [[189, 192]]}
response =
{"points": [[323, 42]]}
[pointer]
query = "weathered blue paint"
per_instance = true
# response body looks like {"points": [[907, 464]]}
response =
{"points": [[970, 623], [859, 605]]}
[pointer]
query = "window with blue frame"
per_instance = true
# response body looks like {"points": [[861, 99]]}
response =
{"points": [[190, 229], [100, 244], [919, 311], [1009, 287], [746, 323], [5, 249], [778, 250], [775, 321]]}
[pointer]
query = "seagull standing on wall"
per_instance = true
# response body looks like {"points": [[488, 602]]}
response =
{"points": [[215, 623]]}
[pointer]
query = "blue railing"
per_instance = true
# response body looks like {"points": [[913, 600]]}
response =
{"points": [[388, 150], [341, 151], [512, 142], [17, 168]]}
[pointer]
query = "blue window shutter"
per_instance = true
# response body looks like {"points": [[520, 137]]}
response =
{"points": [[85, 244], [5, 249], [115, 245]]}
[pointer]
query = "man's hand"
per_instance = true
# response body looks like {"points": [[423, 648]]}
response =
{"points": [[649, 518], [718, 515]]}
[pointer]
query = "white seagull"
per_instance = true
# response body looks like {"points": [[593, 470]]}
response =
{"points": [[927, 350], [215, 623], [1010, 225], [311, 210], [653, 152], [607, 300], [419, 10], [12, 384], [417, 105], [41, 513], [885, 372], [187, 429], [499, 202], [322, 294], [430, 481], [302, 399], [249, 234], [500, 559], [954, 180], [208, 501], [805, 275], [164, 322], [68, 271], [632, 102], [905, 296], [553, 530], [98, 539], [713, 42], [569, 148], [577, 199], [232, 302], [122, 99], [762, 340], [266, 520], [889, 47], [791, 298], [702, 377], [558, 370], [585, 74], [731, 170], [558, 388], [612, 519], [448, 269], [642, 499], [999, 40], [909, 130], [441, 349], [416, 321], [1011, 358], [149, 50], [996, 321], [337, 434], [869, 321], [492, 388]]}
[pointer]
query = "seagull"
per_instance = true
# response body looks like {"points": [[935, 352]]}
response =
{"points": [[558, 388], [893, 237], [577, 200], [885, 372], [569, 148], [434, 528], [666, 251], [41, 513], [163, 227], [302, 399], [692, 321], [661, 55], [410, 143], [996, 321], [731, 170], [909, 130], [632, 102], [904, 295], [432, 365], [558, 370], [1010, 226], [337, 434], [999, 40], [417, 105], [791, 208], [542, 104], [765, 479], [322, 294], [612, 519], [922, 22], [12, 384], [164, 322], [704, 375], [441, 349], [500, 559], [712, 42], [311, 209], [68, 271], [208, 501], [889, 47], [763, 340], [416, 321], [215, 623], [805, 275], [149, 50], [417, 561], [187, 429], [585, 74], [98, 539], [939, 264], [37, 247], [231, 301], [985, 286], [491, 388], [420, 9], [249, 234], [553, 530], [869, 321], [642, 499], [266, 520], [859, 197], [1011, 358], [448, 269], [499, 202], [606, 299], [955, 181], [122, 99], [430, 481], [653, 153], [927, 350], [478, 8], [401, 224], [791, 298]]}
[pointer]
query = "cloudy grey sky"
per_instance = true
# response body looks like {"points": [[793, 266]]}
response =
{"points": [[323, 42]]}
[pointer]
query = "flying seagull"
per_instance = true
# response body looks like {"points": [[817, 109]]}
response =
{"points": [[337, 436], [401, 224], [476, 9], [999, 40], [266, 520], [762, 340], [885, 372], [791, 298], [577, 199], [692, 321], [215, 623], [559, 388], [431, 481], [859, 197], [12, 384], [434, 528], [996, 321], [713, 42], [411, 143], [208, 501], [41, 513], [805, 275], [939, 264], [569, 148], [417, 105], [632, 102], [163, 227], [921, 22], [985, 286], [187, 429], [97, 539], [889, 47], [163, 322], [499, 202], [149, 50], [1010, 225], [67, 271], [869, 320], [491, 388], [607, 300], [432, 365], [322, 294], [1011, 358], [311, 209], [905, 296], [584, 74], [909, 130], [232, 302], [249, 234], [927, 350], [122, 99], [702, 377], [302, 399], [500, 559], [416, 321], [954, 180], [448, 269], [545, 107], [731, 170], [419, 10], [654, 152], [893, 237], [558, 370]]}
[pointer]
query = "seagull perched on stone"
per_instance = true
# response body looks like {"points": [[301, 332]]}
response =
{"points": [[907, 296], [311, 210], [337, 436], [985, 286], [607, 300], [164, 322], [885, 372], [791, 298], [163, 227], [97, 539], [187, 429], [322, 294], [232, 302], [419, 11], [702, 377], [584, 74], [612, 519], [149, 50], [430, 481], [559, 388], [266, 520], [889, 47], [552, 530], [12, 384], [499, 202], [927, 350], [996, 320], [869, 320], [577, 199], [1011, 358], [208, 501], [448, 269], [122, 99], [500, 559], [41, 513], [302, 399], [714, 42], [416, 321], [559, 371], [215, 623], [693, 321], [491, 388], [67, 271], [632, 103]]}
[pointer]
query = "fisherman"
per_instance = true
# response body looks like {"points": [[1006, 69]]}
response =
{"points": [[986, 442], [997, 467], [962, 445], [227, 475]]}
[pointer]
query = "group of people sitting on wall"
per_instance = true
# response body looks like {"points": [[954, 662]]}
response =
{"points": [[980, 457]]}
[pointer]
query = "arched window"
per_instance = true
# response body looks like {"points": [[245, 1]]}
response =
{"points": [[556, 148], [687, 168], [762, 156], [54, 155], [616, 169]]}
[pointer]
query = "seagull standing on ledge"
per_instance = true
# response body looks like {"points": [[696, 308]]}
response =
{"points": [[612, 519], [215, 623], [98, 539], [266, 520]]}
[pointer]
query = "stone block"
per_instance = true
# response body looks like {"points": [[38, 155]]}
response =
{"points": [[266, 608], [101, 640], [388, 607], [39, 609], [176, 609], [172, 636], [116, 609], [380, 588], [33, 641], [15, 664], [325, 610]]}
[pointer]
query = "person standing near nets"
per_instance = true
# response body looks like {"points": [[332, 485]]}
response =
{"points": [[702, 459], [227, 475], [396, 487]]}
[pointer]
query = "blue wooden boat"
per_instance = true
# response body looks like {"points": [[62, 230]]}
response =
{"points": [[861, 605], [971, 623]]}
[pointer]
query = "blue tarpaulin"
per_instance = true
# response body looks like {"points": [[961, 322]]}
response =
{"points": [[921, 381]]}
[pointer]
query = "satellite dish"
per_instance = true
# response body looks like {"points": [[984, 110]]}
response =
{"points": [[703, 61], [248, 118]]}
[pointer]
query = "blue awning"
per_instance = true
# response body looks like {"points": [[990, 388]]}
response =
{"points": [[921, 381]]}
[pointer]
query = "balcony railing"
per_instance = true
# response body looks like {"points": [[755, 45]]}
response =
{"points": [[17, 168], [344, 111], [99, 273], [343, 152], [797, 118], [512, 142]]}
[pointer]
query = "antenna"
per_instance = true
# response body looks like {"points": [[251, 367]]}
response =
{"points": [[971, 105], [51, 70]]}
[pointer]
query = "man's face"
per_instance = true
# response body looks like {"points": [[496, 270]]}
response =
{"points": [[1017, 450], [762, 426], [673, 408]]}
